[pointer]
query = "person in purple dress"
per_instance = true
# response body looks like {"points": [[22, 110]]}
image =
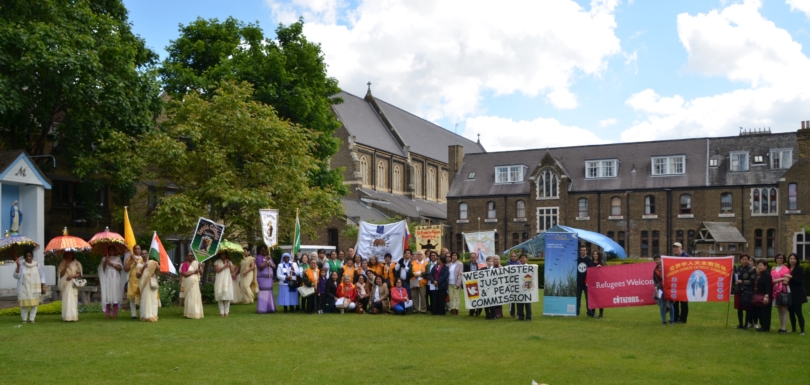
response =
{"points": [[267, 268]]}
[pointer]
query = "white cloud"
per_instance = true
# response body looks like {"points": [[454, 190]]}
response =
{"points": [[503, 134], [739, 44], [438, 58], [801, 5], [608, 122], [321, 11]]}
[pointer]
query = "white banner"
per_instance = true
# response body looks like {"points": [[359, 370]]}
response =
{"points": [[480, 245], [269, 226], [494, 287], [376, 240]]}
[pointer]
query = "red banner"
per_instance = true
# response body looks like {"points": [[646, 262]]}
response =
{"points": [[692, 279], [621, 285]]}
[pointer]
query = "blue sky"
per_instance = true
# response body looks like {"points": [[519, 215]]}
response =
{"points": [[528, 74]]}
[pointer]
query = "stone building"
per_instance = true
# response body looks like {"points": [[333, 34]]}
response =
{"points": [[729, 195]]}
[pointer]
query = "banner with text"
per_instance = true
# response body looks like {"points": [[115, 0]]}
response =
{"points": [[692, 279], [206, 238], [495, 287], [621, 285], [377, 240], [269, 219], [480, 245], [560, 288], [429, 238]]}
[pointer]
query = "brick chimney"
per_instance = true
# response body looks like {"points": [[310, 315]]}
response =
{"points": [[803, 139], [455, 158]]}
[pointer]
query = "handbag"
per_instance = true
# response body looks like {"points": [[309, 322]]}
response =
{"points": [[293, 285], [759, 300], [78, 282], [784, 298], [358, 308], [153, 283], [306, 291]]}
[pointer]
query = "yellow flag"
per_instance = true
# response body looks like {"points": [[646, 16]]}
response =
{"points": [[129, 235]]}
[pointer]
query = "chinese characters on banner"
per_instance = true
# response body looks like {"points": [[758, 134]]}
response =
{"points": [[621, 285], [493, 287], [697, 279]]}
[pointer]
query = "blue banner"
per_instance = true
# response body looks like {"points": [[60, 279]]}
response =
{"points": [[560, 286]]}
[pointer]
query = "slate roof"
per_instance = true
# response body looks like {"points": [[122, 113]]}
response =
{"points": [[724, 232], [406, 206], [756, 145], [354, 209], [423, 137]]}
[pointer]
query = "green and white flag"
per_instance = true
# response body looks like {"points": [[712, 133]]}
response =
{"points": [[297, 239]]}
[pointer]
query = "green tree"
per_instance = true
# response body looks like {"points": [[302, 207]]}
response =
{"points": [[227, 156], [71, 71], [288, 73]]}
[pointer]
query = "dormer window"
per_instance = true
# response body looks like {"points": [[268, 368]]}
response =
{"points": [[759, 159], [714, 162], [781, 159], [600, 168], [508, 174], [739, 161], [471, 175], [669, 165]]}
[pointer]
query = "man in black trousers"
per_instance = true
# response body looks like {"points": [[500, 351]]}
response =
{"points": [[472, 265], [681, 307], [524, 310], [583, 263]]}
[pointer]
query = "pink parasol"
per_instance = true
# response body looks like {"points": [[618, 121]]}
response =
{"points": [[105, 239]]}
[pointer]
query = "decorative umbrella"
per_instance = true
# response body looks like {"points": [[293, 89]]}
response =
{"points": [[234, 250], [65, 242], [105, 239], [16, 245]]}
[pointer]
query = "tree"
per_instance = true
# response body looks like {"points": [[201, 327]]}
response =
{"points": [[71, 71], [288, 73], [226, 155]]}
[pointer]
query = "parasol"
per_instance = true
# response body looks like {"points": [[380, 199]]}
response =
{"points": [[101, 241], [65, 242], [15, 245], [231, 247]]}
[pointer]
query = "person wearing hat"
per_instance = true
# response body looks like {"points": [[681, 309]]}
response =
{"points": [[681, 307]]}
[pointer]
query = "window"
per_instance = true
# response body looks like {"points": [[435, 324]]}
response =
{"points": [[690, 237], [620, 239], [686, 204], [615, 206], [508, 174], [471, 175], [732, 247], [443, 185], [759, 159], [416, 180], [547, 184], [801, 245], [656, 243], [490, 210], [645, 244], [758, 243], [600, 168], [669, 165], [546, 218], [610, 235], [793, 195], [679, 237], [364, 177], [725, 202], [764, 200], [397, 178], [520, 209], [431, 184], [381, 177], [583, 207], [525, 237], [459, 243], [714, 162], [739, 161], [649, 205], [771, 239], [462, 211], [781, 159], [515, 239], [332, 234], [497, 244]]}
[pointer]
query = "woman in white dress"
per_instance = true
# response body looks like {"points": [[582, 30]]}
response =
{"points": [[223, 283], [68, 270], [30, 286], [109, 277], [150, 296], [191, 286]]}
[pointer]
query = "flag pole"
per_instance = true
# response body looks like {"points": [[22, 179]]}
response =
{"points": [[728, 310]]}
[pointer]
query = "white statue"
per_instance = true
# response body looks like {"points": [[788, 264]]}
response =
{"points": [[16, 218]]}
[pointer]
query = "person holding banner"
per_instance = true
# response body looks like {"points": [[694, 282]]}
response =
{"points": [[598, 261], [663, 304], [763, 288], [399, 298], [223, 283], [524, 310], [781, 276], [287, 273], [796, 285], [744, 276], [681, 307], [470, 267], [192, 307], [265, 275], [454, 282], [583, 263], [440, 279]]}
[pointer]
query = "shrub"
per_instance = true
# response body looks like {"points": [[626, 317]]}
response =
{"points": [[169, 290], [207, 292]]}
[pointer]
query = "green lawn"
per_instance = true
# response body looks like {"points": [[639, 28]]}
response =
{"points": [[629, 346]]}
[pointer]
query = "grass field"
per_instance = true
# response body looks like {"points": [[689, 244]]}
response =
{"points": [[628, 346]]}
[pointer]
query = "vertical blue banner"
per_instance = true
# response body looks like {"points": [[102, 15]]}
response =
{"points": [[560, 286]]}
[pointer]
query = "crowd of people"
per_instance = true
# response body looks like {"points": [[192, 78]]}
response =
{"points": [[337, 282]]}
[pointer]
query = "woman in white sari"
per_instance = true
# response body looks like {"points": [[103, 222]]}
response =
{"points": [[109, 277], [30, 286], [68, 270], [191, 286], [150, 297], [223, 283]]}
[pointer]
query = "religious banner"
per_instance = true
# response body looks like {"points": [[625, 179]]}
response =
{"points": [[621, 285], [269, 219], [494, 287], [376, 240], [428, 238], [206, 238], [693, 279], [480, 245], [560, 288]]}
